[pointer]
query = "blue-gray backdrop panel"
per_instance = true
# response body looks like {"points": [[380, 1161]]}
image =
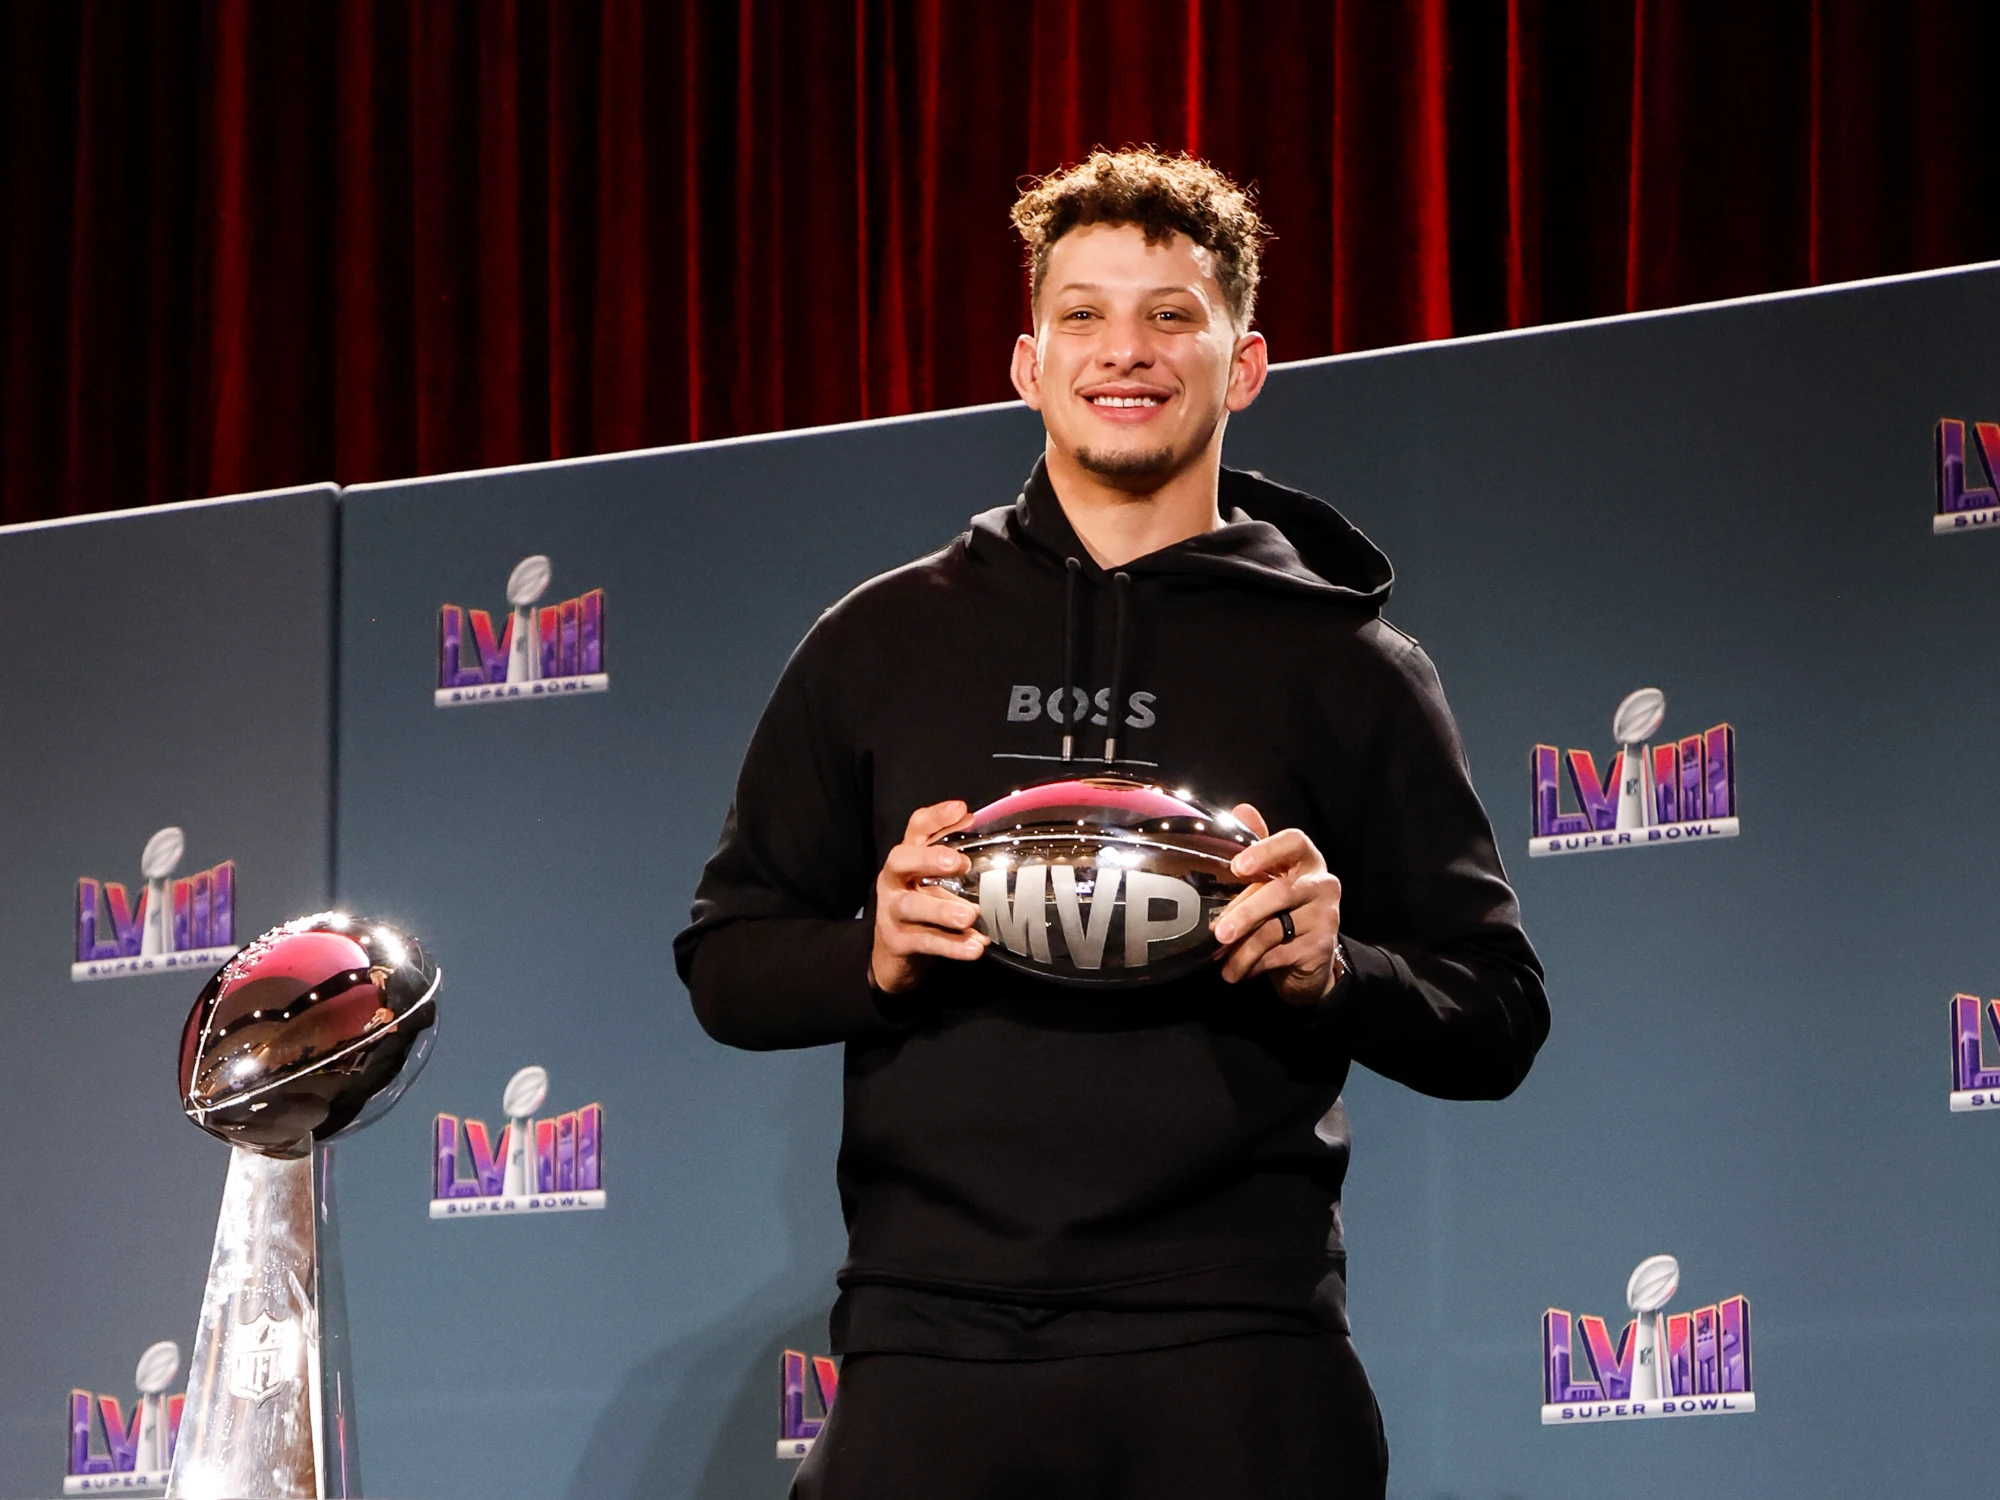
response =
{"points": [[1749, 1060], [166, 666]]}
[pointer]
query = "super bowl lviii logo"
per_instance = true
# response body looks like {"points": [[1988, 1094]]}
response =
{"points": [[1962, 506], [177, 923], [1691, 1364], [539, 1166], [126, 1455], [543, 651], [1681, 792], [802, 1413], [1973, 1084]]}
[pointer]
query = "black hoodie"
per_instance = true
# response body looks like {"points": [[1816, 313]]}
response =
{"points": [[1030, 1170]]}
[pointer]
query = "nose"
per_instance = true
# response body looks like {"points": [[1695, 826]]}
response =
{"points": [[1126, 345]]}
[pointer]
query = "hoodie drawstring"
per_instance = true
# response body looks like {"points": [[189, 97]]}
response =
{"points": [[1071, 569], [1121, 589]]}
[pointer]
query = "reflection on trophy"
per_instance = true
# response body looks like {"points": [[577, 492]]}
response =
{"points": [[312, 1031], [1651, 1287]]}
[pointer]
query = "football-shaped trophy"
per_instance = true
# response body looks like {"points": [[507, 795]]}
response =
{"points": [[310, 1032], [1099, 880], [1651, 1287]]}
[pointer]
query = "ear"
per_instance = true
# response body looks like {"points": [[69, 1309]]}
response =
{"points": [[1247, 370], [1026, 371]]}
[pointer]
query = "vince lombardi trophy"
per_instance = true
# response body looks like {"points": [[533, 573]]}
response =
{"points": [[157, 863], [1637, 721], [526, 1091], [1651, 1287], [527, 583]]}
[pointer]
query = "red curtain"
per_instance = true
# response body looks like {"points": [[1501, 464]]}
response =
{"points": [[250, 244]]}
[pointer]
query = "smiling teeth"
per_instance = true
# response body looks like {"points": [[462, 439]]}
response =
{"points": [[1124, 401]]}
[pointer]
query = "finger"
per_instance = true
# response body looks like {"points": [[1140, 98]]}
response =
{"points": [[909, 863], [1251, 819], [926, 823], [904, 942], [1250, 953], [922, 909], [1254, 906], [1232, 904], [1287, 848]]}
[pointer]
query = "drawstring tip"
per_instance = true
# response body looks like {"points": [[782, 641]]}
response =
{"points": [[1111, 749], [1069, 745]]}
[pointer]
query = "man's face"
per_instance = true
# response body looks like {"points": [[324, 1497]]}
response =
{"points": [[1135, 359]]}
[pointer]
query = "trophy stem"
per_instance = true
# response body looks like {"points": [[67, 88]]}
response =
{"points": [[269, 1412]]}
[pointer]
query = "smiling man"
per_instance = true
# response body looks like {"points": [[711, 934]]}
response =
{"points": [[1094, 1241]]}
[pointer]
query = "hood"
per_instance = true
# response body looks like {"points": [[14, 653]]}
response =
{"points": [[1271, 537]]}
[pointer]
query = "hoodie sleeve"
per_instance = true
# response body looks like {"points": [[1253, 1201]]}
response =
{"points": [[1444, 992], [776, 954]]}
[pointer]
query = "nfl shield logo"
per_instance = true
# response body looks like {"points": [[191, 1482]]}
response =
{"points": [[261, 1364]]}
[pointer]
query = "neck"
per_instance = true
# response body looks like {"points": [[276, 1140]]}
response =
{"points": [[1117, 522]]}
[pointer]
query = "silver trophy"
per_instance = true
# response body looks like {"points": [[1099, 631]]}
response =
{"points": [[1100, 879], [312, 1031]]}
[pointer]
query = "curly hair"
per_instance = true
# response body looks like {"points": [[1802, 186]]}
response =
{"points": [[1159, 194]]}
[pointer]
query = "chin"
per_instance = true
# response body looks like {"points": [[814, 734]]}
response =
{"points": [[1129, 463]]}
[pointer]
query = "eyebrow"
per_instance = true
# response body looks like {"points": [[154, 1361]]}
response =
{"points": [[1183, 288]]}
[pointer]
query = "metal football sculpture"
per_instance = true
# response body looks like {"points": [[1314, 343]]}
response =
{"points": [[1100, 880], [312, 1031]]}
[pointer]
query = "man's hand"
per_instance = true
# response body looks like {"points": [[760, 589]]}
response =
{"points": [[1295, 879], [915, 924]]}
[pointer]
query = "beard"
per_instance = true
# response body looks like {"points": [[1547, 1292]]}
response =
{"points": [[1144, 464]]}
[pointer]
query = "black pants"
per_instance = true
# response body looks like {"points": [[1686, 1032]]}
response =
{"points": [[1261, 1417]]}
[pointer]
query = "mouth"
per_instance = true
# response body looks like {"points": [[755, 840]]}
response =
{"points": [[1126, 405]]}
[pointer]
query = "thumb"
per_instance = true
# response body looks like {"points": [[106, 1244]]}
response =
{"points": [[1251, 819]]}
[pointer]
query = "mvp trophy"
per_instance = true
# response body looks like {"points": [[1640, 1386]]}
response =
{"points": [[312, 1031]]}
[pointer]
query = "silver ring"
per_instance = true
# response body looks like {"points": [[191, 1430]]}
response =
{"points": [[1285, 925]]}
